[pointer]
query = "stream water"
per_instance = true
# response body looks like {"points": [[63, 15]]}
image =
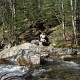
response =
{"points": [[62, 70], [53, 69], [11, 68]]}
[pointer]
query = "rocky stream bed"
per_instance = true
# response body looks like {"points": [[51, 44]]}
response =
{"points": [[33, 62]]}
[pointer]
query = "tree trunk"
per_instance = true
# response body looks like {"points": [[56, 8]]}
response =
{"points": [[13, 10], [73, 9], [3, 20], [63, 21]]}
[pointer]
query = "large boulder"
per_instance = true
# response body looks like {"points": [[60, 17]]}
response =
{"points": [[35, 42], [24, 54], [28, 57], [13, 51]]}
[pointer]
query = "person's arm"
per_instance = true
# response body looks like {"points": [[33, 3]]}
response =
{"points": [[41, 36]]}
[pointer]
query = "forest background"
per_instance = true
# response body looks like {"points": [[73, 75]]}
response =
{"points": [[22, 21]]}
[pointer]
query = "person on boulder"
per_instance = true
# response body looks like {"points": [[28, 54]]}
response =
{"points": [[42, 37]]}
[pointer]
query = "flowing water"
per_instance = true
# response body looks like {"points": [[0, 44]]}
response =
{"points": [[62, 70], [52, 69], [11, 68]]}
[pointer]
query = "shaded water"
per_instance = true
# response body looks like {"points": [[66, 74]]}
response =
{"points": [[62, 70]]}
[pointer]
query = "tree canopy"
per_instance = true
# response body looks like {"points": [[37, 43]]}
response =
{"points": [[18, 16]]}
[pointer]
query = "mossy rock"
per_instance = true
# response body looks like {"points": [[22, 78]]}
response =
{"points": [[23, 41], [69, 45], [75, 46]]}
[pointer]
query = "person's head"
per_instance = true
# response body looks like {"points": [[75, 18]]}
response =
{"points": [[43, 33]]}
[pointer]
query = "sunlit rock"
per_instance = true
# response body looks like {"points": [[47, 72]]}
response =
{"points": [[25, 54], [28, 58], [66, 57], [36, 42]]}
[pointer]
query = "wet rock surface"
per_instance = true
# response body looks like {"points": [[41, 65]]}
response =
{"points": [[11, 76]]}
